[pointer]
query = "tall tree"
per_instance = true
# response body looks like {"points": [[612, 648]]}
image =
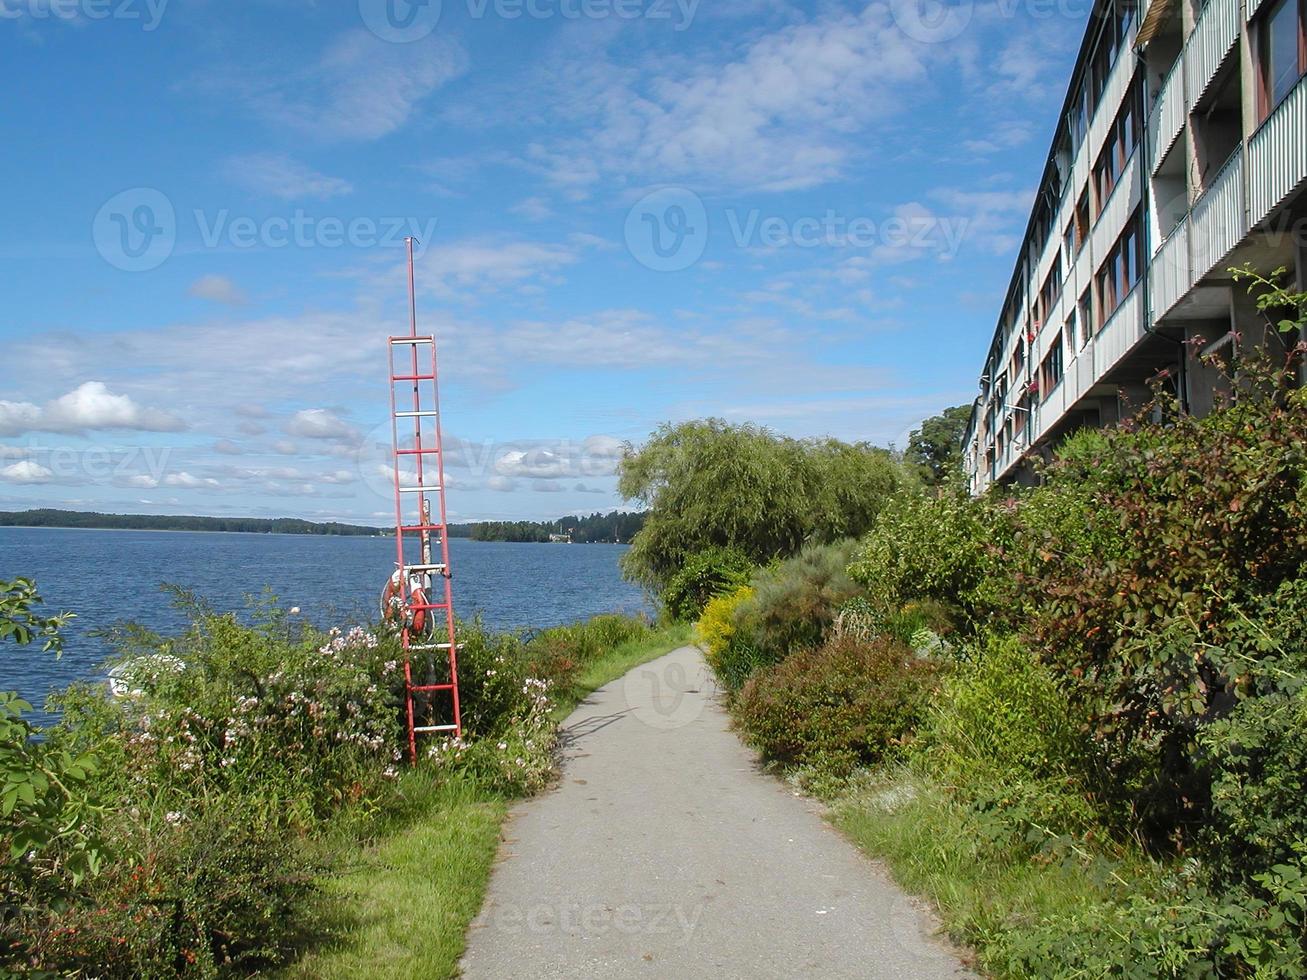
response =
{"points": [[936, 447], [708, 484]]}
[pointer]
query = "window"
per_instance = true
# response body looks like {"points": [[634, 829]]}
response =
{"points": [[1019, 357], [1050, 372], [1085, 314], [1070, 331], [1021, 414], [1282, 54], [1120, 272], [1049, 292], [1122, 139], [1080, 222]]}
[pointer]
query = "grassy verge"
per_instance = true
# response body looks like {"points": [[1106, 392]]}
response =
{"points": [[992, 892], [405, 900]]}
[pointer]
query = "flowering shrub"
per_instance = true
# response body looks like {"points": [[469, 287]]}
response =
{"points": [[508, 731]]}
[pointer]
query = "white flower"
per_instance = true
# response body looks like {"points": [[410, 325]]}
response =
{"points": [[503, 746], [173, 817]]}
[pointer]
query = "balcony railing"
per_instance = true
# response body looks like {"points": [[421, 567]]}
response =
{"points": [[1219, 219], [1277, 154], [1170, 115], [1171, 273], [1213, 37]]}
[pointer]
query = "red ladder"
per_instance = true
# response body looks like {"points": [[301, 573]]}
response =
{"points": [[410, 589]]}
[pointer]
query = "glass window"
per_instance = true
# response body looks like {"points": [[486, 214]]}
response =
{"points": [[1281, 57]]}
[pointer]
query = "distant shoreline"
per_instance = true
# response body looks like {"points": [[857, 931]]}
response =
{"points": [[381, 531], [78, 520]]}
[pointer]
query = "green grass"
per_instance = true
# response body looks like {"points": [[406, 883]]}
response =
{"points": [[400, 905], [987, 888]]}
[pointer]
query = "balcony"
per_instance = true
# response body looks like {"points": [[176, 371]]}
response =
{"points": [[1277, 154], [1170, 114], [1218, 221], [1214, 35], [1171, 275]]}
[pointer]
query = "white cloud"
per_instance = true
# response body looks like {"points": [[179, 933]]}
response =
{"points": [[217, 289], [533, 209], [360, 88], [26, 471], [320, 423], [89, 406], [227, 448], [279, 175], [285, 447], [782, 114], [188, 481], [143, 482], [485, 265]]}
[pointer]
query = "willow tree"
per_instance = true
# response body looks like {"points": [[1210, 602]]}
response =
{"points": [[709, 484]]}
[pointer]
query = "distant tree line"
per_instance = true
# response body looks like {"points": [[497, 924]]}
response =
{"points": [[157, 522], [615, 526]]}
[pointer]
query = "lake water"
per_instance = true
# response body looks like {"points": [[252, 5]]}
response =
{"points": [[107, 577]]}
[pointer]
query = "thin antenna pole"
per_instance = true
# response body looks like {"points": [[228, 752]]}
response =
{"points": [[412, 294]]}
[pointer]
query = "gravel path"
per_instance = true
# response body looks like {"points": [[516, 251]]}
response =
{"points": [[665, 852]]}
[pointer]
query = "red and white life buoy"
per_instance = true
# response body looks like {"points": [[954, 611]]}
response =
{"points": [[398, 608]]}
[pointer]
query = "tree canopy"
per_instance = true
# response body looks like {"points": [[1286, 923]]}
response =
{"points": [[710, 484], [936, 446]]}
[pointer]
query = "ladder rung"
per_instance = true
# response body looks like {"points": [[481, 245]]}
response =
{"points": [[410, 340], [412, 377], [415, 452], [419, 489], [434, 728], [431, 646], [425, 568], [431, 687], [423, 414], [418, 528]]}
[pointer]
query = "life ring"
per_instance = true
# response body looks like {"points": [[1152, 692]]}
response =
{"points": [[396, 607]]}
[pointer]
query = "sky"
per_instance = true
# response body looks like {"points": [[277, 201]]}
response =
{"points": [[629, 212]]}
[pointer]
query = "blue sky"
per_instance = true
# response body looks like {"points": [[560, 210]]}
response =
{"points": [[631, 211]]}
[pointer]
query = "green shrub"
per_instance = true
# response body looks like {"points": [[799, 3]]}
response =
{"points": [[1256, 755], [559, 654], [1178, 928], [943, 549], [704, 575], [214, 889], [795, 603], [1210, 518], [837, 706], [1003, 730]]}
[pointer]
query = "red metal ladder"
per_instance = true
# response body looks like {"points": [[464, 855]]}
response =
{"points": [[422, 606]]}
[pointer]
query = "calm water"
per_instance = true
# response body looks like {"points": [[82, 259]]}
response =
{"points": [[110, 576]]}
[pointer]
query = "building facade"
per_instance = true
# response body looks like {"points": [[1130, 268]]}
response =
{"points": [[1181, 151]]}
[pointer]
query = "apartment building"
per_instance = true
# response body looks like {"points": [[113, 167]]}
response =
{"points": [[1181, 151]]}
